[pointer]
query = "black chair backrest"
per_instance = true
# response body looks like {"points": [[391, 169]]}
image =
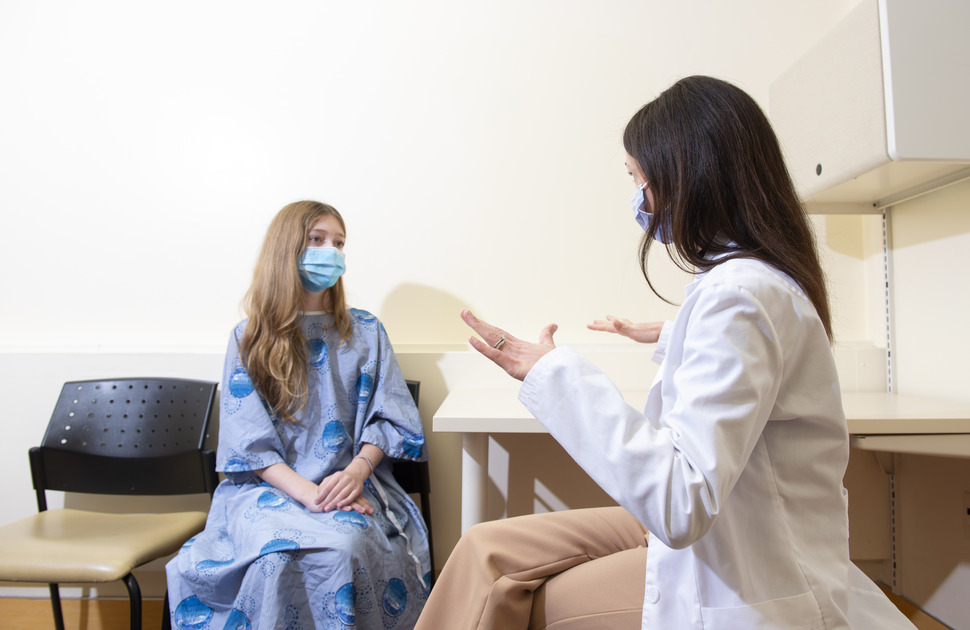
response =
{"points": [[128, 436], [413, 478]]}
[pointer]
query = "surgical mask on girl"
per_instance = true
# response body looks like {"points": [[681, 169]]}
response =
{"points": [[320, 268], [639, 202]]}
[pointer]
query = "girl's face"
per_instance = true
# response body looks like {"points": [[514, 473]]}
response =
{"points": [[326, 232]]}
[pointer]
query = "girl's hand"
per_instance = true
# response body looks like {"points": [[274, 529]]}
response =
{"points": [[361, 505], [513, 355], [642, 333], [341, 490]]}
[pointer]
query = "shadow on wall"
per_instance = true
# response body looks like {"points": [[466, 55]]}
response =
{"points": [[541, 477], [415, 313]]}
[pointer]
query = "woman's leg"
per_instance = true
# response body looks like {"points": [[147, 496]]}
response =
{"points": [[489, 580], [605, 593]]}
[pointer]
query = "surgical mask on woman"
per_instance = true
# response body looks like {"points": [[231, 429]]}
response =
{"points": [[320, 268], [643, 218]]}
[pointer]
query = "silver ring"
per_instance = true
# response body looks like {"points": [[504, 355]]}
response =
{"points": [[501, 342]]}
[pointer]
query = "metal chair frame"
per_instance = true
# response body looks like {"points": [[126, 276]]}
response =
{"points": [[128, 436]]}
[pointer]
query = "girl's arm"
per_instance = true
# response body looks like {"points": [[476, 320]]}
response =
{"points": [[284, 478], [342, 490]]}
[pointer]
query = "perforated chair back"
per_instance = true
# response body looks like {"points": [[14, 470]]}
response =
{"points": [[128, 436]]}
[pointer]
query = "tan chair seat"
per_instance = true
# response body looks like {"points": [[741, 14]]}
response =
{"points": [[78, 546]]}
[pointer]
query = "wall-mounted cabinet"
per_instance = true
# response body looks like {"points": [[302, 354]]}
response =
{"points": [[880, 106]]}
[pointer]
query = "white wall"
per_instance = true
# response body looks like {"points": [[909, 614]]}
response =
{"points": [[473, 148]]}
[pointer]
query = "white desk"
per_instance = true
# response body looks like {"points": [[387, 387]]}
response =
{"points": [[877, 422]]}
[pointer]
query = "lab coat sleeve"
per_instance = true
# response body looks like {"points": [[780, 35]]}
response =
{"points": [[672, 471]]}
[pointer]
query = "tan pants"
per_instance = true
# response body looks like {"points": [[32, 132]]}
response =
{"points": [[561, 570]]}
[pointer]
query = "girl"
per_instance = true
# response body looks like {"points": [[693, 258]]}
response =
{"points": [[309, 528], [735, 466]]}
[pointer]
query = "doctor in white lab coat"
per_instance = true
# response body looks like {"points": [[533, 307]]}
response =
{"points": [[735, 465]]}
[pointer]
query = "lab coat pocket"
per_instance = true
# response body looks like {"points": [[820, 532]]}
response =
{"points": [[799, 612]]}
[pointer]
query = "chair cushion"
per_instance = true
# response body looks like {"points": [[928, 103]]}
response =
{"points": [[78, 546]]}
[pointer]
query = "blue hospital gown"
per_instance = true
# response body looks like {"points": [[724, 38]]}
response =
{"points": [[265, 561]]}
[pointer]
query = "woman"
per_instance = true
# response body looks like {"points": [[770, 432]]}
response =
{"points": [[735, 466], [309, 529]]}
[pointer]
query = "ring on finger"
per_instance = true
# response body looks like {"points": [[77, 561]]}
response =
{"points": [[501, 342]]}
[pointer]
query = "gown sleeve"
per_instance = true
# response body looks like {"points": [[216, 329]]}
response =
{"points": [[390, 418], [248, 439]]}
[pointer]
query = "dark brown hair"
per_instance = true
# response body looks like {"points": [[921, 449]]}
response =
{"points": [[720, 185]]}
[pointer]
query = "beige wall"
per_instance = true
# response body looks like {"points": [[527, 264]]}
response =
{"points": [[931, 260]]}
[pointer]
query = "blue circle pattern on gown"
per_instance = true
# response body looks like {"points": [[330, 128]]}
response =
{"points": [[368, 320], [237, 465], [270, 500], [414, 445], [317, 352], [365, 387], [334, 436], [395, 597], [192, 614], [351, 517], [277, 545], [240, 385], [237, 621], [345, 604]]}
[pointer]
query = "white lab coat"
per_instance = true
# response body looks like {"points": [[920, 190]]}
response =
{"points": [[736, 464]]}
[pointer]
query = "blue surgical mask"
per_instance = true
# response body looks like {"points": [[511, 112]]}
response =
{"points": [[320, 268], [643, 218]]}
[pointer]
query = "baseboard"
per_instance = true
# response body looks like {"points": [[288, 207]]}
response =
{"points": [[20, 613]]}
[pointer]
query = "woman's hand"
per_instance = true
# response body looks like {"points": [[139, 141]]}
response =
{"points": [[642, 333], [512, 355]]}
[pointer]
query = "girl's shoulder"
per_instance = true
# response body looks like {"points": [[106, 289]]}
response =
{"points": [[363, 318], [238, 330]]}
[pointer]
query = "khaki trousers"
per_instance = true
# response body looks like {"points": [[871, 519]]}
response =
{"points": [[567, 570]]}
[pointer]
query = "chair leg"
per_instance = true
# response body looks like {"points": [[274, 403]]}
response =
{"points": [[134, 601], [56, 606]]}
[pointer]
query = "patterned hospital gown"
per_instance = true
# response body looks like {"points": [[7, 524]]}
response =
{"points": [[265, 561]]}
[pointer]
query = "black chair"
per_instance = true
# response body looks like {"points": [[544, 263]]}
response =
{"points": [[415, 478], [119, 437]]}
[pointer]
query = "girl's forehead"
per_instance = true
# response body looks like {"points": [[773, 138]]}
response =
{"points": [[328, 224]]}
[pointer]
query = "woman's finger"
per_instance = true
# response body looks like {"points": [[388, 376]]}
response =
{"points": [[494, 354], [546, 335], [491, 335]]}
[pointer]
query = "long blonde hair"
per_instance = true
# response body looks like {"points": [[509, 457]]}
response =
{"points": [[273, 346]]}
